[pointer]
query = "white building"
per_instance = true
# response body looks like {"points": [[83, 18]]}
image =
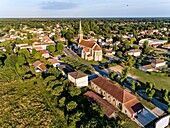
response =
{"points": [[152, 42], [78, 78], [134, 52], [158, 63]]}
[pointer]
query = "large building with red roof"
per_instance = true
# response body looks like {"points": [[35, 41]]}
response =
{"points": [[118, 97]]}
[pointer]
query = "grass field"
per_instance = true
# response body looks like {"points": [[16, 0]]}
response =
{"points": [[161, 82], [145, 102]]}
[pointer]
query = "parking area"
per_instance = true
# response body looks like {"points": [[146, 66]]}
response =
{"points": [[145, 117]]}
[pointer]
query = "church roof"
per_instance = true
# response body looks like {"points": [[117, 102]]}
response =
{"points": [[85, 43], [97, 47]]}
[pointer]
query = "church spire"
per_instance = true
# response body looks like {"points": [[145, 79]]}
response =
{"points": [[80, 32]]}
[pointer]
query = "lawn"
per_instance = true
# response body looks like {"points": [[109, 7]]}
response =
{"points": [[128, 122], [161, 82], [145, 102]]}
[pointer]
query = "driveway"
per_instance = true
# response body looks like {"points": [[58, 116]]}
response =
{"points": [[145, 117]]}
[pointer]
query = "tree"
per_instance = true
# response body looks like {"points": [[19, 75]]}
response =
{"points": [[146, 48], [133, 86], [71, 105], [150, 90], [51, 48], [119, 53], [69, 35], [11, 61], [60, 46]]}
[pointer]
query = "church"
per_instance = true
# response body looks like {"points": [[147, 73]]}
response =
{"points": [[88, 49]]}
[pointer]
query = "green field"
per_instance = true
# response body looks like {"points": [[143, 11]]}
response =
{"points": [[161, 82]]}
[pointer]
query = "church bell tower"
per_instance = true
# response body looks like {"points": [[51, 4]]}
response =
{"points": [[80, 32]]}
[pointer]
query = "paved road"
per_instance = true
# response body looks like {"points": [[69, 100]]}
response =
{"points": [[154, 101], [70, 53]]}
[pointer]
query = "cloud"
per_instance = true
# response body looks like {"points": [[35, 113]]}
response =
{"points": [[49, 5]]}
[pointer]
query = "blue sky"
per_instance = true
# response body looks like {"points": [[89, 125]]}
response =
{"points": [[84, 8]]}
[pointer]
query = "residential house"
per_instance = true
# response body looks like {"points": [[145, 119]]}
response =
{"points": [[167, 46], [109, 52], [152, 42], [44, 53], [2, 39], [39, 66], [134, 52], [109, 110], [157, 63], [65, 69], [78, 78], [118, 97], [147, 68], [2, 49], [61, 39], [54, 62]]}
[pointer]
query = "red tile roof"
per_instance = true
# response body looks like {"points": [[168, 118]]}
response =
{"points": [[85, 43], [149, 66], [97, 47], [86, 49], [36, 63], [53, 61], [108, 108], [157, 61], [113, 89], [133, 106], [43, 52], [43, 67], [77, 74]]}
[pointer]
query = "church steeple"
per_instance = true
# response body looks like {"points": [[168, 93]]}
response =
{"points": [[80, 32]]}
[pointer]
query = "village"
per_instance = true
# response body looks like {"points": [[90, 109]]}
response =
{"points": [[108, 67]]}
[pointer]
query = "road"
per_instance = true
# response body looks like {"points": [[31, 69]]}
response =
{"points": [[70, 53]]}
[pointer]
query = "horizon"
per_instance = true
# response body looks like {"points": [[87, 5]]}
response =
{"points": [[83, 8]]}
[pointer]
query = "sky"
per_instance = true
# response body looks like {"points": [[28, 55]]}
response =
{"points": [[83, 8]]}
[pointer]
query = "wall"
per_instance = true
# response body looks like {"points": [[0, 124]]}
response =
{"points": [[163, 122]]}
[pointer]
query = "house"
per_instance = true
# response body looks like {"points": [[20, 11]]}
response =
{"points": [[65, 69], [61, 39], [78, 78], [109, 110], [54, 62], [39, 66], [147, 68], [22, 46], [134, 52], [158, 63], [155, 65], [2, 39], [39, 45], [89, 50], [118, 97], [167, 46], [152, 42], [109, 52], [2, 49], [44, 53]]}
